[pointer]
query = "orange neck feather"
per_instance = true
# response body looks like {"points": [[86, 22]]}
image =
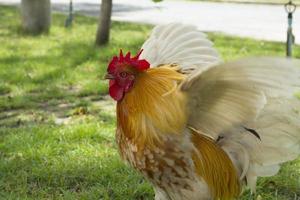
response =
{"points": [[153, 106]]}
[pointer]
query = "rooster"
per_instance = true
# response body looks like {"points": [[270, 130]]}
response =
{"points": [[198, 128]]}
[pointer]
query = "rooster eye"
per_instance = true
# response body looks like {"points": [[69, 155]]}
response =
{"points": [[123, 74]]}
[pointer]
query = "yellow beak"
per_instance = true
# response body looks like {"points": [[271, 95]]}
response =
{"points": [[109, 76]]}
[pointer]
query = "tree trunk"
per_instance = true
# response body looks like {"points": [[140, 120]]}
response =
{"points": [[36, 16], [102, 36]]}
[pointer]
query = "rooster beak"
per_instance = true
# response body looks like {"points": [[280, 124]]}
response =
{"points": [[108, 76]]}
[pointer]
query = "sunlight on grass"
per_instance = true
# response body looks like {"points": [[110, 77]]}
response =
{"points": [[57, 126], [77, 160]]}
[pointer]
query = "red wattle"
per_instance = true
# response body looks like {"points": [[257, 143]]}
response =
{"points": [[115, 91]]}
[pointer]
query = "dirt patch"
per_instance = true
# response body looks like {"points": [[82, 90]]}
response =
{"points": [[62, 112]]}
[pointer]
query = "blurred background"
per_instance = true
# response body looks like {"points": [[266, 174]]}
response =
{"points": [[56, 120]]}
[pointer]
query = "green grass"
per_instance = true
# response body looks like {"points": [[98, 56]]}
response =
{"points": [[57, 126]]}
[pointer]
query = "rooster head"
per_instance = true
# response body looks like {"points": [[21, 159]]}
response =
{"points": [[122, 72]]}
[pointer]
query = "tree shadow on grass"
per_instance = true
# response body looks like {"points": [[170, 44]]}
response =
{"points": [[67, 72], [48, 78]]}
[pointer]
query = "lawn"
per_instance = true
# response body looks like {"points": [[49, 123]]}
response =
{"points": [[57, 123]]}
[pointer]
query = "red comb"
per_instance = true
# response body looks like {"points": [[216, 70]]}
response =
{"points": [[122, 60]]}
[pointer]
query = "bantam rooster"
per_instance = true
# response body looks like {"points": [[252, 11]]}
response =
{"points": [[198, 129]]}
